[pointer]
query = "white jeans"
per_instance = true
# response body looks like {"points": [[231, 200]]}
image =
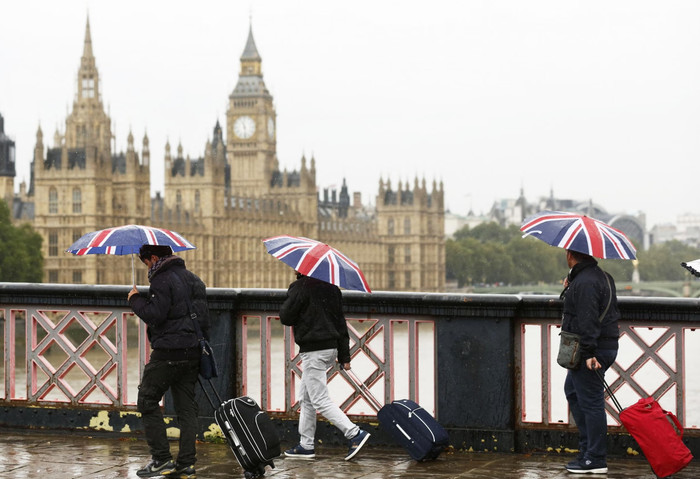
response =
{"points": [[314, 397]]}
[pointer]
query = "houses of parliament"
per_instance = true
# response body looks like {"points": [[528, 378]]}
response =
{"points": [[224, 202]]}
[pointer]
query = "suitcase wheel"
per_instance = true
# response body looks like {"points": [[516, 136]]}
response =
{"points": [[259, 472]]}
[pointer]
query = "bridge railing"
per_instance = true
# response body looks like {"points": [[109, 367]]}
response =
{"points": [[482, 364]]}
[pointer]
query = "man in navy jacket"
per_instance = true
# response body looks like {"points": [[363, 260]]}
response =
{"points": [[590, 310]]}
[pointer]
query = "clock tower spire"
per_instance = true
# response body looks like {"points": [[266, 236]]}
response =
{"points": [[250, 129]]}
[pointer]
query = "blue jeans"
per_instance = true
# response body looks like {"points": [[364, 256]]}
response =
{"points": [[585, 395]]}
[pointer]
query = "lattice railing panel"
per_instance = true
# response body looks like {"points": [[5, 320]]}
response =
{"points": [[651, 362], [394, 357]]}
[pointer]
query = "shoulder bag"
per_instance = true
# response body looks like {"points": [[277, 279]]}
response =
{"points": [[207, 363], [569, 356]]}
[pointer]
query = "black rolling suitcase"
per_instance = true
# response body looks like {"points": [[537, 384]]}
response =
{"points": [[409, 424], [249, 431]]}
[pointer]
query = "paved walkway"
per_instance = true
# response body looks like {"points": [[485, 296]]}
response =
{"points": [[69, 456]]}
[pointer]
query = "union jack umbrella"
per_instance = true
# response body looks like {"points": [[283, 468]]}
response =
{"points": [[692, 266], [318, 260], [128, 239], [579, 233]]}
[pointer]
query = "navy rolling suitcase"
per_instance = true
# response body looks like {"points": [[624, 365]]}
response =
{"points": [[414, 428], [409, 424], [249, 431]]}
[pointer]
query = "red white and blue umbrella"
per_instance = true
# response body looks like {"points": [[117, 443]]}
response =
{"points": [[127, 239], [579, 233], [318, 260]]}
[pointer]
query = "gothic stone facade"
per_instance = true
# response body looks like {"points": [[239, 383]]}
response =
{"points": [[224, 202]]}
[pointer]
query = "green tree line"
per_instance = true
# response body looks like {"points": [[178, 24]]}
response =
{"points": [[20, 251], [490, 253]]}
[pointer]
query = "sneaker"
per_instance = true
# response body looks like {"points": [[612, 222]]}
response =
{"points": [[586, 466], [575, 463], [182, 472], [300, 453], [356, 444], [156, 468]]}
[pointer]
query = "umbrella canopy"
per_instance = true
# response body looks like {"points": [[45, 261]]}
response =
{"points": [[318, 260], [579, 233], [693, 266], [127, 239]]}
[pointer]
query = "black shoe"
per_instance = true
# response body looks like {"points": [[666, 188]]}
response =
{"points": [[182, 472], [586, 466], [156, 468], [575, 463]]}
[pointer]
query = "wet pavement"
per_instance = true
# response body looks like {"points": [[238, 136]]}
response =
{"points": [[64, 456]]}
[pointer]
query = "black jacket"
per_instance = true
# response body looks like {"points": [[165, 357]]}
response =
{"points": [[585, 300], [315, 310], [165, 312]]}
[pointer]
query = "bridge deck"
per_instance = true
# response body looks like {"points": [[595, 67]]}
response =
{"points": [[64, 456]]}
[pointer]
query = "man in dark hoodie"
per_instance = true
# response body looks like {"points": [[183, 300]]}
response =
{"points": [[174, 362], [314, 309], [590, 310]]}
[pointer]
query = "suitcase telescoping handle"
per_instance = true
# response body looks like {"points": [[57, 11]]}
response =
{"points": [[361, 388], [206, 393], [609, 391]]}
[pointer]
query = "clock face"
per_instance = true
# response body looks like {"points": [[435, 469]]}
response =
{"points": [[270, 127], [244, 127]]}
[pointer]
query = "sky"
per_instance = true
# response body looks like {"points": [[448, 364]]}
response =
{"points": [[591, 100]]}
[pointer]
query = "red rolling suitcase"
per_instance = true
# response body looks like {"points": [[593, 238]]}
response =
{"points": [[658, 433]]}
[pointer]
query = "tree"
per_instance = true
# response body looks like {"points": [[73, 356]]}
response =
{"points": [[20, 251], [536, 261], [489, 253], [662, 262]]}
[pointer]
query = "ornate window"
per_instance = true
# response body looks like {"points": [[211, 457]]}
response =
{"points": [[77, 201], [390, 227], [407, 255], [196, 201], [53, 244], [88, 87], [53, 201], [391, 255], [407, 226]]}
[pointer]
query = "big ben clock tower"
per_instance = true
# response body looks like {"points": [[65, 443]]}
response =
{"points": [[250, 130]]}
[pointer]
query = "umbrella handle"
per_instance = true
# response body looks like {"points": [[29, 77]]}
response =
{"points": [[133, 277]]}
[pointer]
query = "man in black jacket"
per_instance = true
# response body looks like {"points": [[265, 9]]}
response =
{"points": [[590, 310], [174, 362], [314, 309]]}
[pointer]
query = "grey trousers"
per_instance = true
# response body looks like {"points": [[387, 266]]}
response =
{"points": [[314, 397]]}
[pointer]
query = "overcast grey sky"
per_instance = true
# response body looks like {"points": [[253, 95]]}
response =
{"points": [[593, 99]]}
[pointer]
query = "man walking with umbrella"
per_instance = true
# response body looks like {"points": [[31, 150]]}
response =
{"points": [[174, 362], [590, 310], [314, 309]]}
